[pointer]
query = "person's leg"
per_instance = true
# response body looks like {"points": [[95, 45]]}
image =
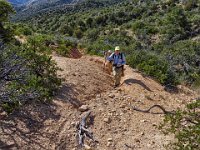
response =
{"points": [[122, 71], [115, 75], [117, 72]]}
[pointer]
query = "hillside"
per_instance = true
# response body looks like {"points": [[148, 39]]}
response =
{"points": [[18, 2], [160, 38], [30, 9], [115, 124]]}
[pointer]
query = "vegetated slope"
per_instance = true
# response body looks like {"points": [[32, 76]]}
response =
{"points": [[160, 38], [45, 7], [18, 2], [115, 124]]}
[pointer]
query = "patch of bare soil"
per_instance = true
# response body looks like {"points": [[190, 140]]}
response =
{"points": [[115, 125]]}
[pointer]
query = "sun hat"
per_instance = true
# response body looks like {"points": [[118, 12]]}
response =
{"points": [[117, 48]]}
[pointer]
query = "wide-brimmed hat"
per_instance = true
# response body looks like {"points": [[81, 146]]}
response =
{"points": [[117, 48]]}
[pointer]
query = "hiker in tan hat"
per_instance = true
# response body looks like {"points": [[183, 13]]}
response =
{"points": [[118, 61]]}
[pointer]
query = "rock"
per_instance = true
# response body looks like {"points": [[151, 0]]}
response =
{"points": [[100, 109], [105, 102], [111, 95], [73, 123], [154, 124], [109, 144], [109, 139], [124, 130], [137, 140], [110, 114], [87, 147], [83, 108], [143, 121], [121, 114], [107, 120], [142, 133], [113, 110], [148, 145], [98, 96], [122, 105]]}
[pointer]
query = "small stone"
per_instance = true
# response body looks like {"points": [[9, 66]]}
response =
{"points": [[73, 123], [100, 109], [143, 121], [110, 139], [137, 140], [87, 147], [142, 133], [107, 120], [148, 145], [83, 108], [110, 114], [121, 114], [122, 105], [109, 144], [154, 124], [111, 95], [113, 110], [98, 96], [125, 130]]}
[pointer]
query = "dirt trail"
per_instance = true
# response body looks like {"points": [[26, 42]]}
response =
{"points": [[116, 126]]}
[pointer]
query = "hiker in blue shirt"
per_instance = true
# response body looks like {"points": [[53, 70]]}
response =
{"points": [[118, 61]]}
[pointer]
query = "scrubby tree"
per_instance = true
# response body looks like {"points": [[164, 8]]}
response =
{"points": [[186, 126], [5, 10], [25, 75]]}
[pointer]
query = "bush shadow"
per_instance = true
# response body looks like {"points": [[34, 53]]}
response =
{"points": [[68, 94], [135, 81], [24, 126]]}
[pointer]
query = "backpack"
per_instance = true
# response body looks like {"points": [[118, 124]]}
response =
{"points": [[120, 55]]}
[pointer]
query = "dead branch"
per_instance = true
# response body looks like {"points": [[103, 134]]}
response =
{"points": [[148, 110], [187, 119], [83, 132], [129, 147]]}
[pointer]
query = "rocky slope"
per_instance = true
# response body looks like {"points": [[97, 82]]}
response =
{"points": [[114, 124]]}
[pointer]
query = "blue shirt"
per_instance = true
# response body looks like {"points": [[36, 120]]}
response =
{"points": [[118, 59]]}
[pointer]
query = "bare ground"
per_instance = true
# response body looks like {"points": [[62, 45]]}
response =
{"points": [[115, 125]]}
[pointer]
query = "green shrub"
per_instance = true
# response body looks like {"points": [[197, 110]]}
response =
{"points": [[186, 127], [151, 65], [26, 77]]}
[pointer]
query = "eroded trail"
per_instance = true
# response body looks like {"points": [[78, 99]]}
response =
{"points": [[115, 125]]}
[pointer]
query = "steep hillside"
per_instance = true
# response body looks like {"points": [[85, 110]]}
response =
{"points": [[115, 124], [18, 2], [40, 7], [160, 38]]}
